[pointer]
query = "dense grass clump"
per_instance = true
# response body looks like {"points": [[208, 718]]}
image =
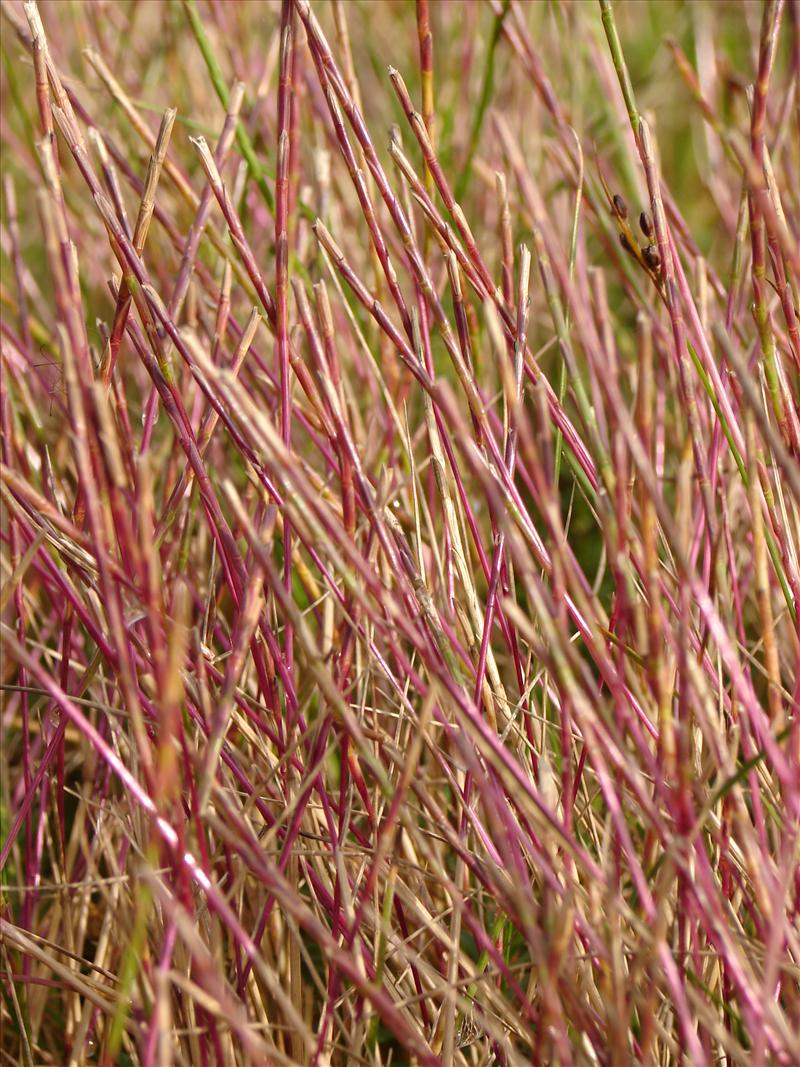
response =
{"points": [[400, 533]]}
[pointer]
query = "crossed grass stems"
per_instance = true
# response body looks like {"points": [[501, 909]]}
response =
{"points": [[312, 693]]}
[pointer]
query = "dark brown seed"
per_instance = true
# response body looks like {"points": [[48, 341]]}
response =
{"points": [[623, 240], [651, 257], [646, 224], [620, 207]]}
